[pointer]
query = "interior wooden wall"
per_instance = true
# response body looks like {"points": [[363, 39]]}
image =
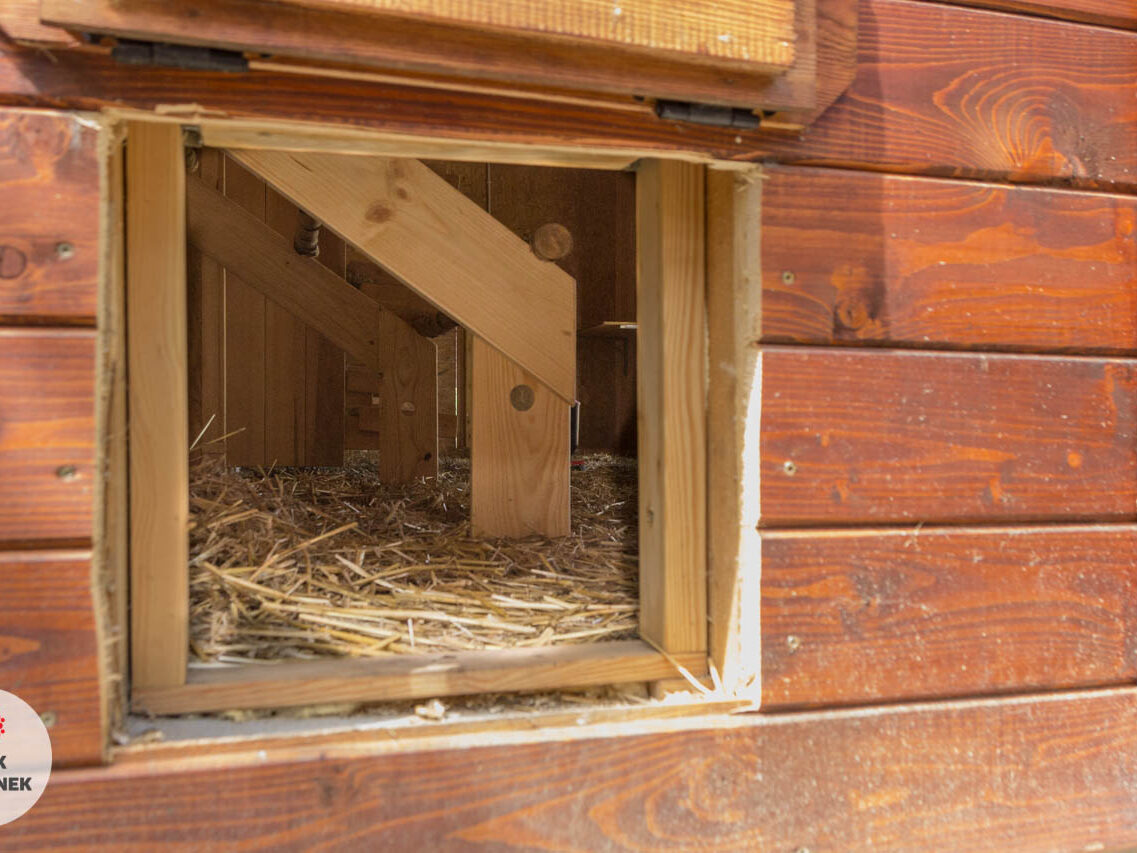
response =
{"points": [[271, 382]]}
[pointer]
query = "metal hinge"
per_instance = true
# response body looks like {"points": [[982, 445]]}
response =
{"points": [[182, 56], [709, 114]]}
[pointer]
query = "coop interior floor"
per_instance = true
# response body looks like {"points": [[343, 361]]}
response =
{"points": [[310, 562]]}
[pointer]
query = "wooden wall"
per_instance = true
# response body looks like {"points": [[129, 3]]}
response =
{"points": [[52, 177], [947, 460]]}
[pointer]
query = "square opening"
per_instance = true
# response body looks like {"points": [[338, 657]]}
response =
{"points": [[378, 482]]}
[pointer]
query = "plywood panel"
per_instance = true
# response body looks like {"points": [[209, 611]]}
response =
{"points": [[850, 257], [49, 224], [855, 437], [889, 615], [49, 648], [1052, 772], [47, 435]]}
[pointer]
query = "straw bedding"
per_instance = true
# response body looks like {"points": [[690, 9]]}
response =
{"points": [[293, 563]]}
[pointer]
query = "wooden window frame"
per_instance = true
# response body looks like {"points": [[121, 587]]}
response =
{"points": [[670, 213]]}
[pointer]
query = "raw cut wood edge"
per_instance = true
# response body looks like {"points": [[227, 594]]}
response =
{"points": [[734, 311]]}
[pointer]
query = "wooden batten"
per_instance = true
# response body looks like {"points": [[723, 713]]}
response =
{"points": [[159, 474], [670, 233], [734, 420]]}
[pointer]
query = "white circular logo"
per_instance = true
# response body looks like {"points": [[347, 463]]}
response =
{"points": [[25, 757]]}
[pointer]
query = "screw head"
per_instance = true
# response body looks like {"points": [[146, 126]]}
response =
{"points": [[64, 251], [49, 718], [408, 408], [788, 277], [789, 467]]}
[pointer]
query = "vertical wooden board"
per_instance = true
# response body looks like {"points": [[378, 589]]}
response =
{"points": [[855, 257], [892, 615], [408, 437], [519, 456], [286, 359], [598, 210], [670, 224], [244, 340], [855, 437], [324, 406], [159, 476], [447, 390], [49, 654], [734, 418], [49, 234], [205, 288], [47, 435]]}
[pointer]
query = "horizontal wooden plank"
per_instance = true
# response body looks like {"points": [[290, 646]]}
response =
{"points": [[427, 46], [412, 677], [889, 615], [1051, 772], [856, 436], [1112, 13], [49, 221], [47, 434], [853, 257], [740, 33], [49, 653], [1006, 96]]}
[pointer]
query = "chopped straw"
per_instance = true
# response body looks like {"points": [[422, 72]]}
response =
{"points": [[310, 562]]}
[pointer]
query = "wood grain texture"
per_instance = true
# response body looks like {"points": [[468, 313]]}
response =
{"points": [[441, 244], [853, 437], [325, 391], [49, 180], [671, 413], [412, 677], [852, 257], [734, 423], [426, 46], [48, 648], [47, 428], [20, 21], [408, 416], [1113, 13], [1056, 107], [891, 615], [598, 210], [1052, 772], [519, 457], [156, 346], [244, 338], [735, 33]]}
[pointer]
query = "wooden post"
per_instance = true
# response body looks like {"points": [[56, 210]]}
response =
{"points": [[519, 452], [734, 310], [159, 469], [671, 418]]}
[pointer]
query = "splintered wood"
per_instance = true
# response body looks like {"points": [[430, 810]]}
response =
{"points": [[297, 563]]}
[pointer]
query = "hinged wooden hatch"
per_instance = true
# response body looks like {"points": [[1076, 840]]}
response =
{"points": [[689, 59]]}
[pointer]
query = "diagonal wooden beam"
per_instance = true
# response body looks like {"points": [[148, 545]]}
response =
{"points": [[266, 260], [442, 245]]}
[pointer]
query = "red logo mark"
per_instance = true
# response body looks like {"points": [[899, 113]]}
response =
{"points": [[1, 725]]}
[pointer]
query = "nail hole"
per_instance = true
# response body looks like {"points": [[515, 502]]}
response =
{"points": [[49, 718], [66, 472], [793, 642], [408, 408]]}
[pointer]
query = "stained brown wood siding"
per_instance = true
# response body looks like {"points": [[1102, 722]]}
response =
{"points": [[1048, 772], [50, 253]]}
